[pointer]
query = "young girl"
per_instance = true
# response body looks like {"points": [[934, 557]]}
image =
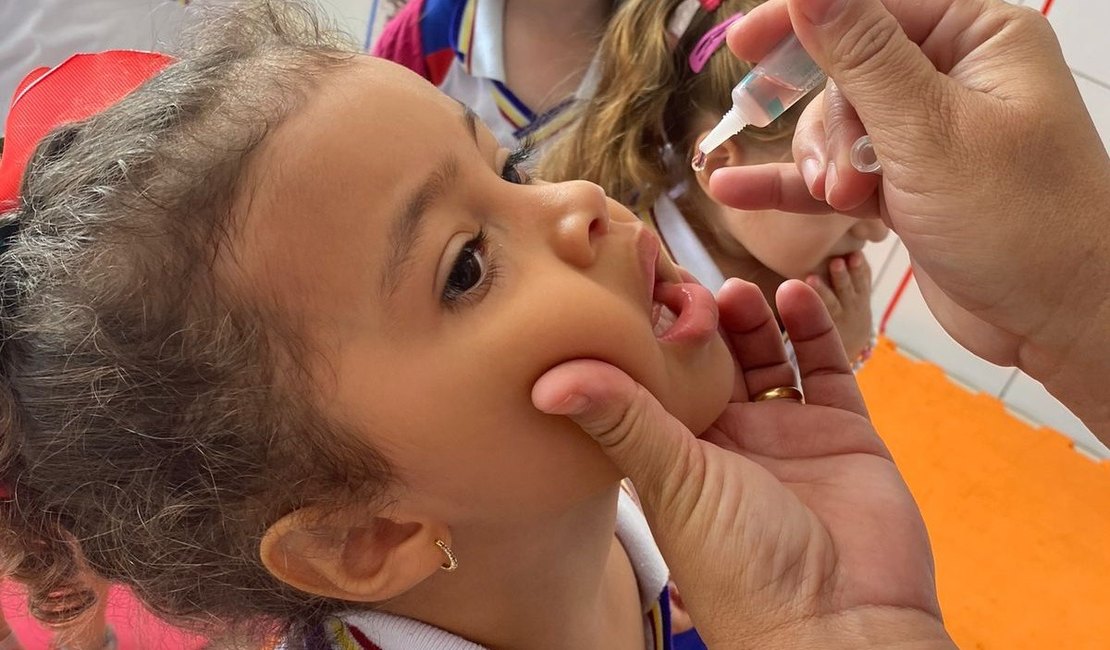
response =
{"points": [[521, 65], [270, 327], [666, 78]]}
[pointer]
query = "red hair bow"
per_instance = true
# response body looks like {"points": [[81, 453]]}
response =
{"points": [[81, 86]]}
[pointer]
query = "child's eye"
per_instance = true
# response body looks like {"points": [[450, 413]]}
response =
{"points": [[513, 171], [470, 273], [516, 174]]}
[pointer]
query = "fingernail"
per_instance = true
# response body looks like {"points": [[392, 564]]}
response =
{"points": [[811, 169], [838, 264], [812, 281], [820, 12], [830, 179], [855, 260], [572, 404]]}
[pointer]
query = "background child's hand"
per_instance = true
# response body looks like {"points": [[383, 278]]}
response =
{"points": [[848, 300]]}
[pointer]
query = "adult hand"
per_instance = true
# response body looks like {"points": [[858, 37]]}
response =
{"points": [[785, 524], [993, 174]]}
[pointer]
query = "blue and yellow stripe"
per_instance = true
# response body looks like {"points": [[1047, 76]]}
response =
{"points": [[466, 32]]}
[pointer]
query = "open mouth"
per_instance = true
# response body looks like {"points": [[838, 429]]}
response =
{"points": [[682, 310]]}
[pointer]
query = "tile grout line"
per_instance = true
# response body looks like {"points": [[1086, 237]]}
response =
{"points": [[1087, 77]]}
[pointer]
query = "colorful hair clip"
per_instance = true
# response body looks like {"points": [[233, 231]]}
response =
{"points": [[710, 42]]}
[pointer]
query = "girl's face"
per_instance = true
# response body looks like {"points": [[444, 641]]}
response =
{"points": [[439, 285], [797, 245], [791, 245]]}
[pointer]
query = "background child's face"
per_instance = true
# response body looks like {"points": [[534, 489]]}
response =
{"points": [[791, 245], [439, 291], [796, 245]]}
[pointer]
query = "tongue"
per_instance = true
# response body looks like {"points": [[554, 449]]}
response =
{"points": [[662, 319], [685, 312]]}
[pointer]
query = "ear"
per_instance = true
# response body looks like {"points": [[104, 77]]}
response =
{"points": [[350, 559], [729, 154]]}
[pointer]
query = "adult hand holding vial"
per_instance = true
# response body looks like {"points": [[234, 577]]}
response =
{"points": [[992, 172]]}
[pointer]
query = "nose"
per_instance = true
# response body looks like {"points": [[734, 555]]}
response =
{"points": [[870, 230], [580, 219]]}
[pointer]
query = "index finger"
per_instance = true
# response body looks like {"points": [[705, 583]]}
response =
{"points": [[777, 186]]}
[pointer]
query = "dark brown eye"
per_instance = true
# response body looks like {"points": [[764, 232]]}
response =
{"points": [[468, 271], [515, 174]]}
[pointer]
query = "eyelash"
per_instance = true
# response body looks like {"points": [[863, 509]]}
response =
{"points": [[511, 172], [516, 159], [491, 272]]}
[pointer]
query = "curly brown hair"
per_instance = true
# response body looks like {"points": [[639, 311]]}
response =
{"points": [[156, 417]]}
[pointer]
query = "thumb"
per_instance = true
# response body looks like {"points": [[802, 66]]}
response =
{"points": [[652, 448], [882, 73]]}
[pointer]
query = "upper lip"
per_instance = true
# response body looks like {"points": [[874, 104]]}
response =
{"points": [[655, 266]]}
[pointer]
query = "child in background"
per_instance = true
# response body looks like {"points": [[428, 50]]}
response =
{"points": [[666, 78], [521, 65], [270, 328]]}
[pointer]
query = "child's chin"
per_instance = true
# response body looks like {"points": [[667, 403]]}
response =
{"points": [[702, 424], [711, 396]]}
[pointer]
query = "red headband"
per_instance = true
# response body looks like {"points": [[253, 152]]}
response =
{"points": [[81, 86]]}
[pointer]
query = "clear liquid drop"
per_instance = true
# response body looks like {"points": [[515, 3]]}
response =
{"points": [[698, 163]]}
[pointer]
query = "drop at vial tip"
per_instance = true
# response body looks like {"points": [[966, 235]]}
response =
{"points": [[698, 163]]}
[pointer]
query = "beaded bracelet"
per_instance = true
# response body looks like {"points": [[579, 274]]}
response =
{"points": [[866, 353]]}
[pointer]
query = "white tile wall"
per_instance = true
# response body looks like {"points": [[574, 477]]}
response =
{"points": [[1097, 97], [914, 329], [355, 16], [1081, 26], [1028, 398]]}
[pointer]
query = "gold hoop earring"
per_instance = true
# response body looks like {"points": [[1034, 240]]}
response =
{"points": [[452, 561]]}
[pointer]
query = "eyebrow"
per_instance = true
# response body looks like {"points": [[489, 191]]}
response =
{"points": [[406, 229]]}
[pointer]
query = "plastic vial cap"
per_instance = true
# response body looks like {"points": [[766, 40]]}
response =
{"points": [[731, 124]]}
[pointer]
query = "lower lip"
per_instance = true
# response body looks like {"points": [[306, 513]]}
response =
{"points": [[695, 308]]}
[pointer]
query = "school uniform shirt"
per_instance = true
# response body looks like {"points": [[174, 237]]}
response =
{"points": [[371, 630], [458, 45]]}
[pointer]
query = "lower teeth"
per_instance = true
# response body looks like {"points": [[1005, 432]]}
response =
{"points": [[666, 320]]}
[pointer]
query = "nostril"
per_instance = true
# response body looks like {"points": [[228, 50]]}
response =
{"points": [[597, 228]]}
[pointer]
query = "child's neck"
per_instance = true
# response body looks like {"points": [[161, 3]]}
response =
{"points": [[549, 45], [550, 583]]}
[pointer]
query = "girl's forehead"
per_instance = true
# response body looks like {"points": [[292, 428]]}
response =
{"points": [[372, 122], [373, 99], [323, 188]]}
